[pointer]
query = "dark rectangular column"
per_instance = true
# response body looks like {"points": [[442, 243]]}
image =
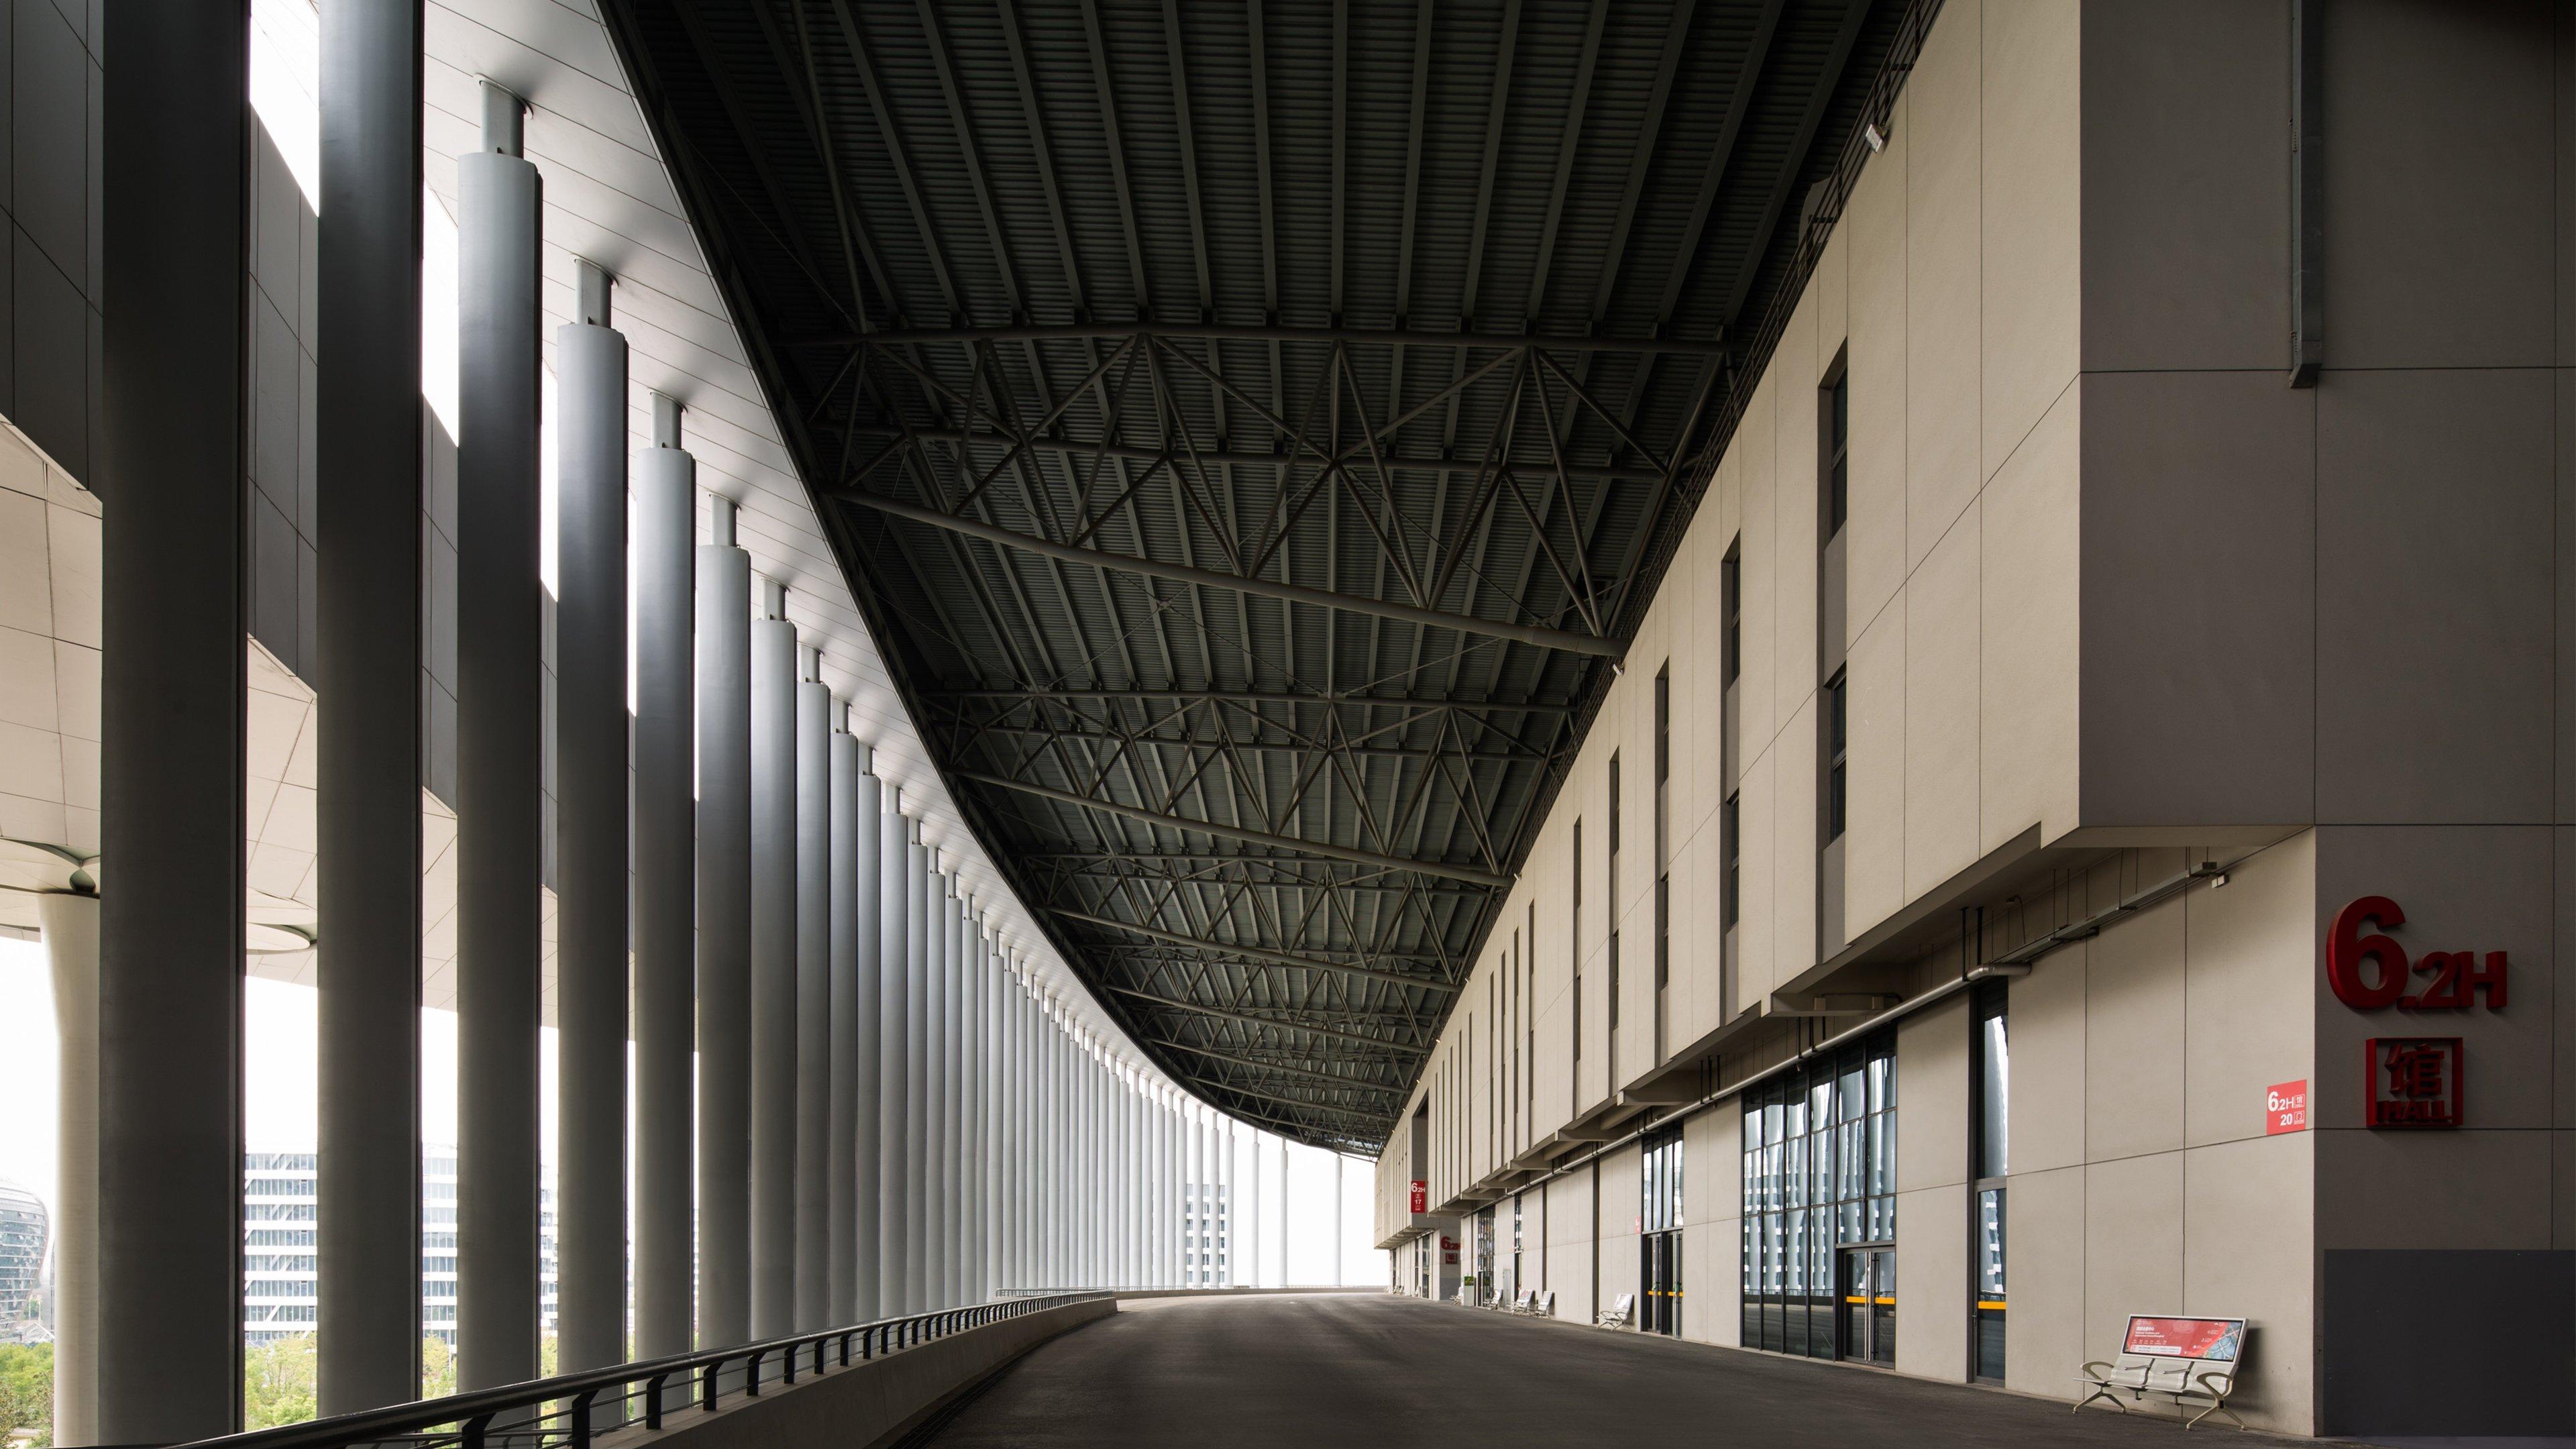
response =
{"points": [[171, 695], [367, 441]]}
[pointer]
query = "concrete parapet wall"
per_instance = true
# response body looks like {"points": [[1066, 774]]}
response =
{"points": [[866, 1403]]}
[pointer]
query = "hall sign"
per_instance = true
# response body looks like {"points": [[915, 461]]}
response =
{"points": [[2409, 1081], [1421, 1196]]}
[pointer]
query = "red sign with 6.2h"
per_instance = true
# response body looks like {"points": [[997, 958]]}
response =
{"points": [[2413, 1081], [2457, 975]]}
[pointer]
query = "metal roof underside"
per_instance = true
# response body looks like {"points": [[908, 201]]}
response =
{"points": [[1252, 429]]}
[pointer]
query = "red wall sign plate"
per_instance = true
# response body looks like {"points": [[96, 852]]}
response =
{"points": [[2285, 1107], [2415, 1081]]}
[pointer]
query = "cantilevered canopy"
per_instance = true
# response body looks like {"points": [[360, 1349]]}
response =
{"points": [[1255, 428]]}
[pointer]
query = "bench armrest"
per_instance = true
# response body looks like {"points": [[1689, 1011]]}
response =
{"points": [[2225, 1385]]}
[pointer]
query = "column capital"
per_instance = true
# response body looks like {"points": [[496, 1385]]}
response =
{"points": [[591, 285], [504, 117]]}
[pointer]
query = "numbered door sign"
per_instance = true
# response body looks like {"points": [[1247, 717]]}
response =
{"points": [[2285, 1108]]}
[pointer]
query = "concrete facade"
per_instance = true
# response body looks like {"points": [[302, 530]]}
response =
{"points": [[2126, 620]]}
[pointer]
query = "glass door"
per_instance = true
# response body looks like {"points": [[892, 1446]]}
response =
{"points": [[1865, 1323], [1660, 1271]]}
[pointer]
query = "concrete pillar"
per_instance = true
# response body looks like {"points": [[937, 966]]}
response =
{"points": [[814, 1022], [1130, 1157], [773, 965], [69, 925], [894, 1069], [934, 1087], [970, 1128], [851, 1123], [1337, 1218], [1011, 1146], [1053, 1197], [665, 482], [1090, 1164], [499, 754], [953, 1105], [1252, 1220], [918, 885], [590, 832], [173, 208], [724, 933], [368, 541]]}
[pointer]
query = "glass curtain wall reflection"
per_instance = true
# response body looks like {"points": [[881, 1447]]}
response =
{"points": [[1819, 1176]]}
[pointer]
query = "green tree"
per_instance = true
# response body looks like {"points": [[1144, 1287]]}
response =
{"points": [[27, 1391], [280, 1383], [437, 1367]]}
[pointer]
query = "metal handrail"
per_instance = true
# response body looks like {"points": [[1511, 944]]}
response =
{"points": [[467, 1420]]}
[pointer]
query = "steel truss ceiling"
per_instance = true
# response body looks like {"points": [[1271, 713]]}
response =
{"points": [[1254, 430]]}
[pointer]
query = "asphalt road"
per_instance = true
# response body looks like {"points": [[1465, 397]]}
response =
{"points": [[1304, 1369]]}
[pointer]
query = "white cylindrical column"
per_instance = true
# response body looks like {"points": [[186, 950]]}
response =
{"points": [[894, 1057], [918, 884], [70, 927], [499, 753], [954, 1117], [724, 933], [934, 1121], [970, 1105], [773, 966], [665, 927], [591, 855], [979, 1063], [843, 1118], [364, 517], [815, 1033]]}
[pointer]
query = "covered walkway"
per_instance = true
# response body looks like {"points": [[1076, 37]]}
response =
{"points": [[1333, 1369]]}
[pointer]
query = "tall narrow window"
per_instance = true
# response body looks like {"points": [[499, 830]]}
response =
{"points": [[1663, 863], [1574, 954], [1837, 455], [1731, 583], [1610, 908], [1734, 848], [1837, 739], [1990, 1129]]}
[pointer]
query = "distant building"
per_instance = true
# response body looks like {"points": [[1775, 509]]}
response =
{"points": [[22, 1260], [280, 1270], [1206, 1231]]}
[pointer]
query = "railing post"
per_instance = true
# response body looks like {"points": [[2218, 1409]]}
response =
{"points": [[787, 1364], [707, 1388], [751, 1381], [474, 1429], [653, 1400], [581, 1403]]}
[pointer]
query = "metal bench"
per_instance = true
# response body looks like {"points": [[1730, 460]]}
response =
{"points": [[1545, 1306], [2184, 1359], [1527, 1302], [1619, 1314]]}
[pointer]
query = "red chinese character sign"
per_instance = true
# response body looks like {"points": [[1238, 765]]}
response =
{"points": [[2415, 1081], [1421, 1196], [2409, 1081]]}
